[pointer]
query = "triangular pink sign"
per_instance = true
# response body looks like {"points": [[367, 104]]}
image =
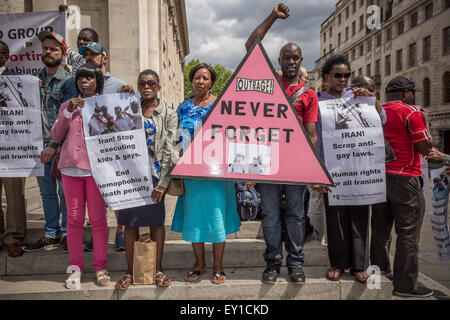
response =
{"points": [[252, 133]]}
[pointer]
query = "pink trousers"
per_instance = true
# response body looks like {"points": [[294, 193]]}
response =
{"points": [[78, 192]]}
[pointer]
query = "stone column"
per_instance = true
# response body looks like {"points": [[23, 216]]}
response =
{"points": [[153, 35]]}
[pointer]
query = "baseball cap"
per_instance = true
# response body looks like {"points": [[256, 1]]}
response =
{"points": [[47, 34], [94, 47], [400, 84]]}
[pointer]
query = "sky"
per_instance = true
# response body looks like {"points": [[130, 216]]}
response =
{"points": [[218, 29]]}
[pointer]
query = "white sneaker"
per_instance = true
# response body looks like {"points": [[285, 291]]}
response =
{"points": [[73, 281]]}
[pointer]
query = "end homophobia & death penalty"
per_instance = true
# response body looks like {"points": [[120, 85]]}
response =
{"points": [[268, 110]]}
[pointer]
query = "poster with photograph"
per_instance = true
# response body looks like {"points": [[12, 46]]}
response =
{"points": [[439, 212], [20, 127], [249, 158], [354, 150], [117, 149]]}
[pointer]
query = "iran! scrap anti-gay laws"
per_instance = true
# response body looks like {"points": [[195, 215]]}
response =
{"points": [[252, 133]]}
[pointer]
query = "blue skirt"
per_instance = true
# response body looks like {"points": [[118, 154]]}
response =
{"points": [[207, 211]]}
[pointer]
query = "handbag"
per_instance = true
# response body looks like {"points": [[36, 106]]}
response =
{"points": [[144, 260], [54, 171], [175, 187]]}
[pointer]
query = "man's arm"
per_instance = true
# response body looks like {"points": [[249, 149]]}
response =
{"points": [[423, 147], [310, 128], [281, 11]]}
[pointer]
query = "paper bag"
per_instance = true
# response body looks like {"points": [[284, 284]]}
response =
{"points": [[144, 260]]}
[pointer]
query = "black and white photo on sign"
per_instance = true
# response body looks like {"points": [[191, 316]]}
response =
{"points": [[349, 114], [13, 94], [249, 158], [110, 116]]}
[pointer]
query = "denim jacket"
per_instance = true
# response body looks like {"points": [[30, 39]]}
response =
{"points": [[61, 88]]}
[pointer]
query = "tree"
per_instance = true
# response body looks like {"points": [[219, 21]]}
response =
{"points": [[223, 75]]}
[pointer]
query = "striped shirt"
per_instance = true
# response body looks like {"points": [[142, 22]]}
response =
{"points": [[75, 60]]}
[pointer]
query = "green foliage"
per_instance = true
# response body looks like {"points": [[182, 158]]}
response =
{"points": [[223, 75]]}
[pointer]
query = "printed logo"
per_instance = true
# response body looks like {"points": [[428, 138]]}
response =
{"points": [[264, 86]]}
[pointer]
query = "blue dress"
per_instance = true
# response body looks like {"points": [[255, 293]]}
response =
{"points": [[207, 210]]}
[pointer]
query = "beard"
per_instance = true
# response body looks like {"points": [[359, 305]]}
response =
{"points": [[49, 61]]}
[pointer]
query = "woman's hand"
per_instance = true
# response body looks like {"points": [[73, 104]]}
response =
{"points": [[74, 104], [158, 193], [362, 92], [250, 184], [321, 189], [127, 89], [435, 154]]}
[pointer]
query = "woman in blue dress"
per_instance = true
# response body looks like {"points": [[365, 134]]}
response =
{"points": [[207, 211]]}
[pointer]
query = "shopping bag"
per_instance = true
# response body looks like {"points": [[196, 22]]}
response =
{"points": [[144, 260]]}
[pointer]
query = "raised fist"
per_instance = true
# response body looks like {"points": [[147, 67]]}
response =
{"points": [[281, 11]]}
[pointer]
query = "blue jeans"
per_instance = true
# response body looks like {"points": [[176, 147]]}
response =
{"points": [[50, 202], [271, 195]]}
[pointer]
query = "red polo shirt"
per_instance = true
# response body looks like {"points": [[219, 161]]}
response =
{"points": [[307, 105], [403, 129]]}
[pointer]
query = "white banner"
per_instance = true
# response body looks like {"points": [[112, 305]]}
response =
{"points": [[20, 127], [354, 151], [439, 212], [117, 149], [19, 31]]}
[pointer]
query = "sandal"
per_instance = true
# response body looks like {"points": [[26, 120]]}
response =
{"points": [[334, 274], [218, 277], [162, 279], [360, 276], [192, 272], [103, 278], [124, 282]]}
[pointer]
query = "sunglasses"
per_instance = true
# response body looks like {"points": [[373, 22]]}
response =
{"points": [[339, 75], [150, 83]]}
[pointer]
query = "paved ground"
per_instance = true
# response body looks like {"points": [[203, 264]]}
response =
{"points": [[429, 262]]}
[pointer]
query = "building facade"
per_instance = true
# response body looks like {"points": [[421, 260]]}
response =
{"points": [[411, 38], [138, 34]]}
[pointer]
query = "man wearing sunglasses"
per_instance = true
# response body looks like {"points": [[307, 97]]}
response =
{"points": [[407, 131], [306, 105]]}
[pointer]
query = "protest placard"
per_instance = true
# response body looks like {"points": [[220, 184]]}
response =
{"points": [[117, 149], [19, 31], [439, 212], [20, 127], [354, 150], [252, 133]]}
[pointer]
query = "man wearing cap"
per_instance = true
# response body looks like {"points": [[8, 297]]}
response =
{"points": [[56, 86], [407, 132]]}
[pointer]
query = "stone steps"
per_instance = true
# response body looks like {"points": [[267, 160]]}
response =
{"points": [[178, 255], [242, 284]]}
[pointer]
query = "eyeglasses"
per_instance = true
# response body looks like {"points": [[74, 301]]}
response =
{"points": [[150, 83], [339, 75]]}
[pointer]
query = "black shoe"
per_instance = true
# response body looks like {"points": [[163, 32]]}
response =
{"points": [[44, 242], [63, 245], [271, 272], [421, 292], [297, 275]]}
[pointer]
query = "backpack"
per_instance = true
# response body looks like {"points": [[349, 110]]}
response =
{"points": [[248, 201]]}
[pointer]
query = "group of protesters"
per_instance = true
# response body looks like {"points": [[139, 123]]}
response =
{"points": [[63, 88]]}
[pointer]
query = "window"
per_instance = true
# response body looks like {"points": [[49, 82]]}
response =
{"points": [[360, 72], [412, 54], [330, 47], [354, 54], [324, 51], [353, 28], [377, 67], [389, 9], [398, 60], [346, 13], [361, 50], [446, 87], [353, 75], [346, 33], [426, 92], [368, 67], [426, 49], [389, 33], [361, 22], [429, 11], [446, 41], [346, 57], [379, 40], [325, 37], [331, 32], [339, 19], [361, 3], [369, 44], [401, 27], [387, 65], [354, 6], [447, 4], [339, 39], [413, 19]]}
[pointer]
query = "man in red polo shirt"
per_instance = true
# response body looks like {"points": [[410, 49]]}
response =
{"points": [[306, 104], [407, 132]]}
